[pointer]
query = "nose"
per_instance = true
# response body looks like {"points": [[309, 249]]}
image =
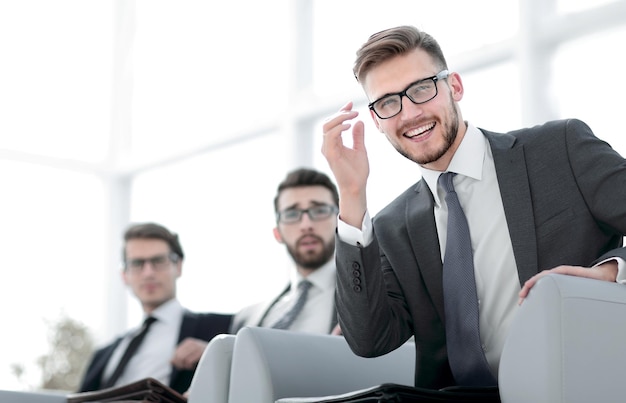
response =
{"points": [[410, 109], [148, 267], [305, 221]]}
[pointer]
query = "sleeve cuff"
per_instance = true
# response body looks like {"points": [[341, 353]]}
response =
{"points": [[621, 269], [354, 236]]}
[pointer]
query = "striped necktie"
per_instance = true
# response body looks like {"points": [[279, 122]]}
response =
{"points": [[465, 353], [290, 316]]}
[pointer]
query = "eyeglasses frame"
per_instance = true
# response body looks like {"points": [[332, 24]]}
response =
{"points": [[442, 75], [334, 210], [171, 257]]}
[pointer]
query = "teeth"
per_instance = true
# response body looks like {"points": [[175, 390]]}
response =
{"points": [[420, 130]]}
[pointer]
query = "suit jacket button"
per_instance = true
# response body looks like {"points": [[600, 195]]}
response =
{"points": [[357, 288], [356, 265], [356, 273], [356, 281]]}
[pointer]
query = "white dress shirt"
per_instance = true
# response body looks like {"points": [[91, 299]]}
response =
{"points": [[317, 314], [152, 359]]}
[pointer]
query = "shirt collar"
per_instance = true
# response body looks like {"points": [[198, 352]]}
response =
{"points": [[323, 278], [467, 160], [169, 311]]}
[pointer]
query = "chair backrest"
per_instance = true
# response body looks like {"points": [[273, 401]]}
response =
{"points": [[566, 343], [269, 364], [212, 377]]}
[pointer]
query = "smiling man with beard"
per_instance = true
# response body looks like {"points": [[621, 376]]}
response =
{"points": [[306, 206], [447, 262]]}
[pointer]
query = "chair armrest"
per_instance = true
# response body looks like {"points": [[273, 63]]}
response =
{"points": [[212, 377], [566, 343], [9, 396]]}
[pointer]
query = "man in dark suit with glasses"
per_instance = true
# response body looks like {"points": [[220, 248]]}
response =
{"points": [[171, 341]]}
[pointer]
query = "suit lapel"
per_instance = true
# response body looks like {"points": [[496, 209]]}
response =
{"points": [[95, 374], [515, 191], [187, 329], [188, 326], [422, 231]]}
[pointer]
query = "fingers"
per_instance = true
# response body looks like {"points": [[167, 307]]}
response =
{"points": [[332, 145], [336, 123], [347, 106], [336, 331], [349, 164], [188, 353], [358, 136], [528, 285], [606, 271]]}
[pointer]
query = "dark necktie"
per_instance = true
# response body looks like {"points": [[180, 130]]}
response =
{"points": [[465, 354], [130, 350], [290, 316]]}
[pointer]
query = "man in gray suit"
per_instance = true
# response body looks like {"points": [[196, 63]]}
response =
{"points": [[551, 198]]}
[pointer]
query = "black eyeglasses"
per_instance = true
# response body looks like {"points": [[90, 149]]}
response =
{"points": [[159, 263], [316, 213], [418, 92]]}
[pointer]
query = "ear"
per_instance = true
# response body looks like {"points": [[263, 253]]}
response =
{"points": [[277, 236], [456, 86], [124, 275], [179, 268]]}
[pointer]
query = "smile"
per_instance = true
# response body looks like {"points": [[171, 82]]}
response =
{"points": [[419, 131]]}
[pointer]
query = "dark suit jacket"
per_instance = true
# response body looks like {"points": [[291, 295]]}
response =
{"points": [[202, 326], [564, 197]]}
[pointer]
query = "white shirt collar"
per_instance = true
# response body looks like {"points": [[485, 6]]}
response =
{"points": [[464, 161], [323, 278], [168, 312]]}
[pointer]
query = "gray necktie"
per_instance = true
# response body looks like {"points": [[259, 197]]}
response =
{"points": [[290, 316], [465, 354], [128, 353]]}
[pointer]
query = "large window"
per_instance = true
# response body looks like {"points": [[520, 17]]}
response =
{"points": [[189, 113], [221, 205], [587, 85], [53, 238]]}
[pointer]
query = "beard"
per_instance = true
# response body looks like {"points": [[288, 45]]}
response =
{"points": [[313, 260], [450, 131]]}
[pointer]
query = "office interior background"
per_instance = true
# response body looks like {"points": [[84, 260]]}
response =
{"points": [[189, 113]]}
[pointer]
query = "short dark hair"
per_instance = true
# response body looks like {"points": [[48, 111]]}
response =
{"points": [[152, 230], [306, 177], [392, 42]]}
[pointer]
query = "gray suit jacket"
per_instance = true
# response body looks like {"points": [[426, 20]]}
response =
{"points": [[564, 197]]}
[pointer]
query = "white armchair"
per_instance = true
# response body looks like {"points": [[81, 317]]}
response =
{"points": [[9, 396], [212, 377], [567, 343], [270, 364]]}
